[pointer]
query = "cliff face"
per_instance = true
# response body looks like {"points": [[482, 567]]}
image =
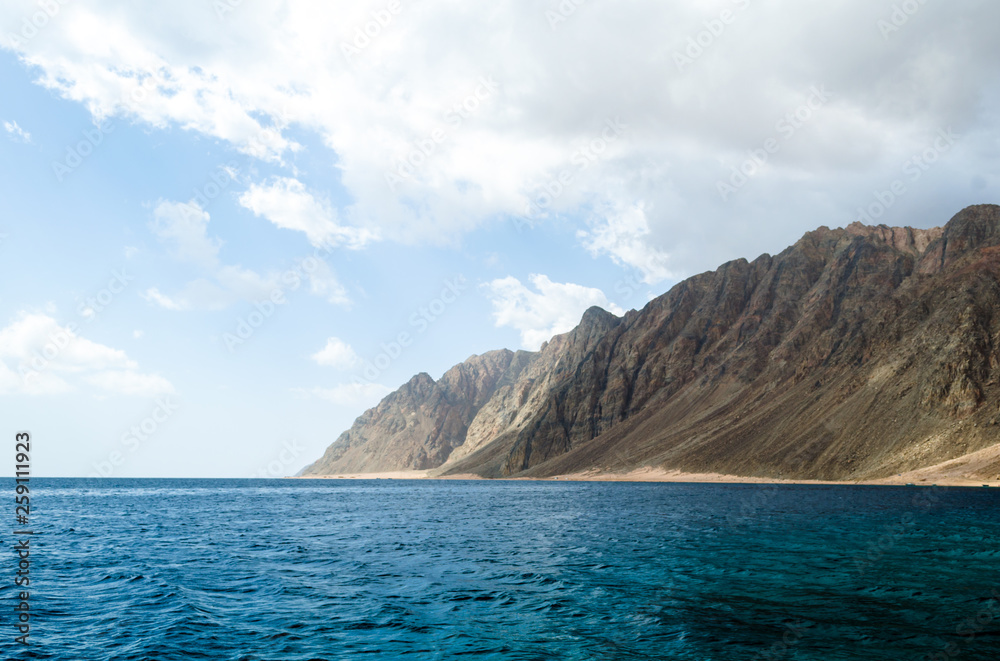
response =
{"points": [[418, 426], [855, 353]]}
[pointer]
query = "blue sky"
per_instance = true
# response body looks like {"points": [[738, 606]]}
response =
{"points": [[165, 174]]}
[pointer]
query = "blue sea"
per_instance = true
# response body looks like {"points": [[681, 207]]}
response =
{"points": [[312, 569]]}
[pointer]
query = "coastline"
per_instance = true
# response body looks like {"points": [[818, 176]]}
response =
{"points": [[971, 470], [914, 478]]}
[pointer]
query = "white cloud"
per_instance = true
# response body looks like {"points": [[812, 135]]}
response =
{"points": [[225, 287], [623, 234], [286, 203], [183, 229], [33, 332], [266, 68], [9, 380], [131, 383], [552, 309], [31, 382], [247, 284], [122, 73], [337, 354], [39, 356], [349, 395], [323, 283], [16, 133], [153, 295]]}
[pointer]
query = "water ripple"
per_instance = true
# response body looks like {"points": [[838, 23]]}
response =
{"points": [[296, 570]]}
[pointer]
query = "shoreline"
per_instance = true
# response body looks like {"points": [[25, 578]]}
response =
{"points": [[977, 469], [914, 478]]}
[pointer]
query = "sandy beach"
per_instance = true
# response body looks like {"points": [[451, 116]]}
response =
{"points": [[972, 470]]}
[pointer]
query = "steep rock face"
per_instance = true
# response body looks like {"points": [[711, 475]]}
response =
{"points": [[419, 425], [855, 353], [531, 415]]}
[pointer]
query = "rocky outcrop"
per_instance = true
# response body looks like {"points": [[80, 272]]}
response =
{"points": [[418, 426], [855, 353]]}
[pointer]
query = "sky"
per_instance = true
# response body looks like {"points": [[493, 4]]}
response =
{"points": [[228, 228]]}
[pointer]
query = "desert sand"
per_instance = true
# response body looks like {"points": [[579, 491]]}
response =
{"points": [[973, 470]]}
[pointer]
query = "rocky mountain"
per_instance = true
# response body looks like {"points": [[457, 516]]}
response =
{"points": [[420, 425], [854, 354]]}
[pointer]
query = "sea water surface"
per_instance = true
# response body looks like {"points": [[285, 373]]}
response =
{"points": [[314, 569]]}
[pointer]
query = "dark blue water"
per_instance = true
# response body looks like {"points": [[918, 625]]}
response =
{"points": [[243, 569]]}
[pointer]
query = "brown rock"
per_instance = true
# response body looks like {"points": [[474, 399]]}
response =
{"points": [[418, 426], [850, 355]]}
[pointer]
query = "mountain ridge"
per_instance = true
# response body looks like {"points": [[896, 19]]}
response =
{"points": [[791, 365]]}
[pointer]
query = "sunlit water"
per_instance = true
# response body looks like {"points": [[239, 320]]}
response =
{"points": [[245, 569]]}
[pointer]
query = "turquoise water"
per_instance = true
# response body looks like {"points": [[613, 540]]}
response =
{"points": [[257, 569]]}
